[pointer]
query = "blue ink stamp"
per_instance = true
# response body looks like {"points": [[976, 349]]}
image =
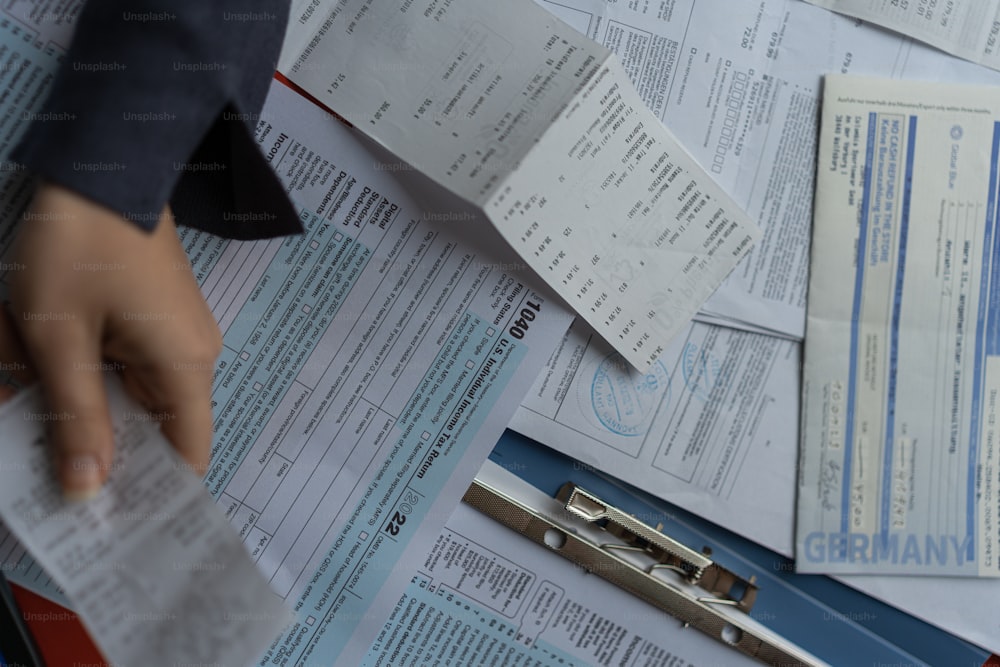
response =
{"points": [[624, 399], [701, 371]]}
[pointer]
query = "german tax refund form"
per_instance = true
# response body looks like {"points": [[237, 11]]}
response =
{"points": [[966, 28], [514, 110], [899, 470]]}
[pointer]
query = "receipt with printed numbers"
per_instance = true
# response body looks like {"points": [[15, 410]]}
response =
{"points": [[969, 29], [899, 468], [152, 566], [514, 110]]}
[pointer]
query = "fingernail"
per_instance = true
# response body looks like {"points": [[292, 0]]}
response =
{"points": [[81, 478]]}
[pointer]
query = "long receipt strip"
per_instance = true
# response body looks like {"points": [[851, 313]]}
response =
{"points": [[966, 28], [899, 448], [368, 366], [515, 111], [738, 83], [154, 568]]}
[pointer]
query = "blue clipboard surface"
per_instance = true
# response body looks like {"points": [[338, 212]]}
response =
{"points": [[823, 616]]}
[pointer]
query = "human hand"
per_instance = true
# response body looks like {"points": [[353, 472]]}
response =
{"points": [[90, 292]]}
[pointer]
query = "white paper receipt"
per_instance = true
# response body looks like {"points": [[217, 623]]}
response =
{"points": [[156, 572], [899, 464], [539, 126]]}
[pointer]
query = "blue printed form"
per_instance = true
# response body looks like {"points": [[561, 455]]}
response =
{"points": [[369, 366], [899, 469]]}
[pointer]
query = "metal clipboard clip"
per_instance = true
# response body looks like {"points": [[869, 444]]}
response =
{"points": [[633, 562]]}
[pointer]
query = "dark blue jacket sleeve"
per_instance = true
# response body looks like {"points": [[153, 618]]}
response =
{"points": [[156, 101]]}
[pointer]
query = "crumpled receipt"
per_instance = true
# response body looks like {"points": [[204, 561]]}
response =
{"points": [[151, 565]]}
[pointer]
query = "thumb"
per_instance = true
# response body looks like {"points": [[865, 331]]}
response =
{"points": [[67, 360]]}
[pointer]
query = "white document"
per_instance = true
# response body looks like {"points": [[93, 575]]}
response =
{"points": [[899, 453], [738, 83], [537, 125], [966, 28], [710, 71], [485, 595], [707, 427], [155, 571], [683, 54], [368, 367]]}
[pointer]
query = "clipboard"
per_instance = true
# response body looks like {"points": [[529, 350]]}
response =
{"points": [[723, 590], [815, 613]]}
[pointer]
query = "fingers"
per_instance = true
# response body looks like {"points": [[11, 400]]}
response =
{"points": [[67, 359], [59, 324], [94, 286], [171, 357], [77, 411], [170, 371], [178, 395], [186, 420]]}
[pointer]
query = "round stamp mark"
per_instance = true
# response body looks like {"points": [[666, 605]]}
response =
{"points": [[624, 399], [701, 370]]}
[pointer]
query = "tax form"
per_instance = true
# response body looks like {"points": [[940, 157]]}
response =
{"points": [[485, 595], [538, 126], [368, 366], [899, 469], [155, 572], [966, 28]]}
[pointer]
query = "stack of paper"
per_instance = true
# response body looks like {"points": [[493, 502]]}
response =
{"points": [[688, 432], [538, 126], [370, 363], [368, 366]]}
